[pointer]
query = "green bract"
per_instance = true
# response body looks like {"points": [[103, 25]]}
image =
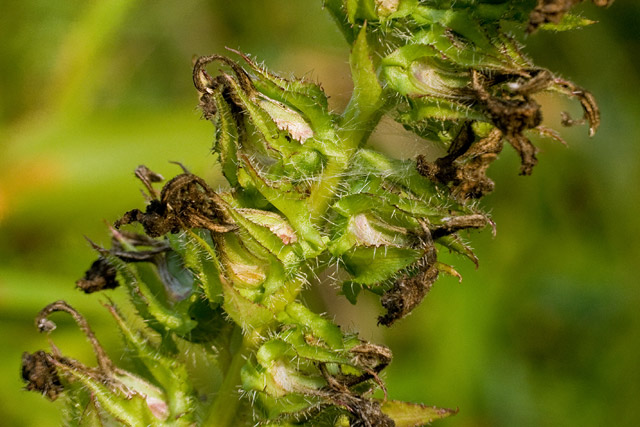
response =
{"points": [[217, 274]]}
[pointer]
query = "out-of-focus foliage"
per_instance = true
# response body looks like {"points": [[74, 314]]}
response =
{"points": [[546, 332]]}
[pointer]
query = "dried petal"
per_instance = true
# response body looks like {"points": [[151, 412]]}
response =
{"points": [[101, 275], [147, 176], [287, 119], [587, 101], [186, 201], [41, 374]]}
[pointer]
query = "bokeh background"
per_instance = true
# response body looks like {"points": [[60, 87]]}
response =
{"points": [[545, 333]]}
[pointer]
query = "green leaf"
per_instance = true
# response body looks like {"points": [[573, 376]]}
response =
{"points": [[288, 120], [338, 10], [129, 410], [314, 353], [366, 88], [351, 290], [454, 243], [399, 172], [568, 22], [373, 265], [304, 96], [294, 207], [226, 139], [361, 10], [204, 262], [263, 130], [406, 414], [144, 286], [168, 372], [244, 268], [367, 101]]}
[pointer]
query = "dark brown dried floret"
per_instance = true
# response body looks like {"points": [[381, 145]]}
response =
{"points": [[371, 356], [156, 247], [456, 223], [41, 375], [101, 275], [471, 176], [366, 412], [186, 201], [443, 169], [409, 290], [407, 293], [464, 167], [514, 113], [208, 85]]}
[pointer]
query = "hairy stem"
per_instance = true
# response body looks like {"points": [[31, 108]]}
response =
{"points": [[224, 411]]}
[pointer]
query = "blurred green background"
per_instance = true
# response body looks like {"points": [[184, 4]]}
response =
{"points": [[545, 333]]}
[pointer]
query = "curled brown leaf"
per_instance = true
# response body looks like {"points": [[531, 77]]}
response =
{"points": [[515, 112], [587, 101], [45, 325]]}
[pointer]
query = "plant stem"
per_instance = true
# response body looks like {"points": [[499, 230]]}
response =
{"points": [[223, 412], [325, 190]]}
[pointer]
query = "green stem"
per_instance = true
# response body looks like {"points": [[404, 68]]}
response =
{"points": [[324, 191], [223, 412], [350, 139], [366, 107]]}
